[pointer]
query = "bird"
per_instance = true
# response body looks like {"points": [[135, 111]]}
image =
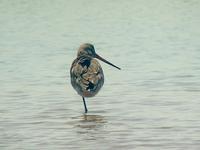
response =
{"points": [[86, 73]]}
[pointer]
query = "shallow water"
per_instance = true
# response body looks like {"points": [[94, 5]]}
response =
{"points": [[152, 103]]}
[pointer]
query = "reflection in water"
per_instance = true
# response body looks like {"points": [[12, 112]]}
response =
{"points": [[88, 127], [90, 122]]}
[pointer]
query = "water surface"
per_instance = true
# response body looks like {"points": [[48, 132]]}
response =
{"points": [[152, 103]]}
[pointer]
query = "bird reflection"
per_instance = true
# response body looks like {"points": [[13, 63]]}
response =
{"points": [[90, 122]]}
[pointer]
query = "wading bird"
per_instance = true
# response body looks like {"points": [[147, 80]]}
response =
{"points": [[86, 73]]}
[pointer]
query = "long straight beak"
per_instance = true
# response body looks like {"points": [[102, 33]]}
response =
{"points": [[102, 59]]}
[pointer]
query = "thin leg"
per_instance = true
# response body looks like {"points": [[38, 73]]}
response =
{"points": [[86, 110]]}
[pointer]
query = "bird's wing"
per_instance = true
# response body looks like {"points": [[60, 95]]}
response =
{"points": [[86, 74]]}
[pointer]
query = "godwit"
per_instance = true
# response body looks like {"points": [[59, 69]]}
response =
{"points": [[86, 73]]}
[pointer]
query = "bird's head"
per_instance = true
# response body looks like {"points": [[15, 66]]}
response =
{"points": [[88, 50]]}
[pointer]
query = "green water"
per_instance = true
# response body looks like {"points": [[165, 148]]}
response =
{"points": [[152, 103]]}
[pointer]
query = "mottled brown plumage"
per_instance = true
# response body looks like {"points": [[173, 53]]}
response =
{"points": [[86, 73], [86, 76]]}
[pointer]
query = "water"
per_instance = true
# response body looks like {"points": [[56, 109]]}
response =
{"points": [[152, 103]]}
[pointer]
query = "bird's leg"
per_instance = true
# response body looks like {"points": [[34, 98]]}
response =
{"points": [[86, 110]]}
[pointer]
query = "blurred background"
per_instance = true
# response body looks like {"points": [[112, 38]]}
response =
{"points": [[152, 103]]}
